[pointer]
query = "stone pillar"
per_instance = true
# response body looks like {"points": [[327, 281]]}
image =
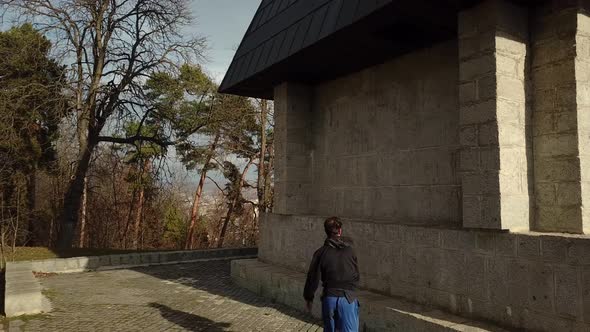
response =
{"points": [[493, 39], [292, 135], [561, 117]]}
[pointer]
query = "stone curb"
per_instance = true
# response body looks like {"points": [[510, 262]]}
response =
{"points": [[23, 294], [119, 261]]}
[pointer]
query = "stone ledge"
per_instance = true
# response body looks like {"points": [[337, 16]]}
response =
{"points": [[378, 312], [23, 291], [111, 262]]}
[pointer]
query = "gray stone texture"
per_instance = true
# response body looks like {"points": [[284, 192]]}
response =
{"points": [[184, 297], [82, 264], [377, 312], [493, 39], [292, 177], [23, 292], [22, 295], [528, 280], [421, 153], [560, 76], [488, 131], [385, 141]]}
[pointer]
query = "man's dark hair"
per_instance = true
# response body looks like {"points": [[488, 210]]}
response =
{"points": [[332, 226]]}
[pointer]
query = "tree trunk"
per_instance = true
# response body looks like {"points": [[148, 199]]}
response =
{"points": [[51, 226], [228, 215], [16, 221], [138, 213], [83, 214], [261, 164], [232, 206], [31, 224], [2, 247], [73, 199], [56, 205], [31, 195], [121, 223], [267, 178], [145, 169], [190, 238], [123, 236]]}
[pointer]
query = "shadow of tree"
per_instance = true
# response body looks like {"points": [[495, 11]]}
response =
{"points": [[189, 321], [214, 277]]}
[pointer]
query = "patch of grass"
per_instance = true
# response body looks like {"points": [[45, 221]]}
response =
{"points": [[49, 293], [27, 318], [24, 318], [43, 275]]}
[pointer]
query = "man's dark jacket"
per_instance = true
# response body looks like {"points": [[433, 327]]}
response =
{"points": [[337, 264]]}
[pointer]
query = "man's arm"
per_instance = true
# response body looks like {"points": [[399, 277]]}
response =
{"points": [[313, 277], [356, 275]]}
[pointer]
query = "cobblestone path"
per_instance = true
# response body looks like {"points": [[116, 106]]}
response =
{"points": [[184, 297]]}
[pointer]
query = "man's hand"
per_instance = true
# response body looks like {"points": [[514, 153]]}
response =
{"points": [[308, 306]]}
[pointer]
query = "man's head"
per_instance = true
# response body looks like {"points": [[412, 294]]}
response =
{"points": [[333, 227]]}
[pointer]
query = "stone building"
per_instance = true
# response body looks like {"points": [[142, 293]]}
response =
{"points": [[452, 136]]}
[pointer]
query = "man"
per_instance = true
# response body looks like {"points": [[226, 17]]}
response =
{"points": [[336, 262]]}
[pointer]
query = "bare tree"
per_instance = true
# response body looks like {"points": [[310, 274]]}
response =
{"points": [[113, 46]]}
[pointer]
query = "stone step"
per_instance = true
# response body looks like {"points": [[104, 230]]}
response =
{"points": [[377, 312], [23, 291]]}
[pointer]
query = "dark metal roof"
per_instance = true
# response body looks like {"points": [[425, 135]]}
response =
{"points": [[281, 28], [314, 40]]}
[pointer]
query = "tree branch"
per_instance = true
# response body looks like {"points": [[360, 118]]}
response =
{"points": [[135, 138], [217, 185]]}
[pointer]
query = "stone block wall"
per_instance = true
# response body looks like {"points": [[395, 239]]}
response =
{"points": [[421, 153], [292, 182], [493, 39], [489, 131], [583, 109], [560, 73], [528, 280], [385, 141]]}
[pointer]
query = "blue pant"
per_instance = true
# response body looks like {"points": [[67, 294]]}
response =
{"points": [[339, 315]]}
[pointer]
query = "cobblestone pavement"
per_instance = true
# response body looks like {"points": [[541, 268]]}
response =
{"points": [[184, 297]]}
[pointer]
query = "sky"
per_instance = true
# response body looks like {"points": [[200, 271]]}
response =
{"points": [[223, 23]]}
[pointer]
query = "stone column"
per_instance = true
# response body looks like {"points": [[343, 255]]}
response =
{"points": [[561, 117], [292, 135], [493, 39]]}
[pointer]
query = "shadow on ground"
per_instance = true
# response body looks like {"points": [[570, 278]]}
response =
{"points": [[214, 277], [189, 321]]}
